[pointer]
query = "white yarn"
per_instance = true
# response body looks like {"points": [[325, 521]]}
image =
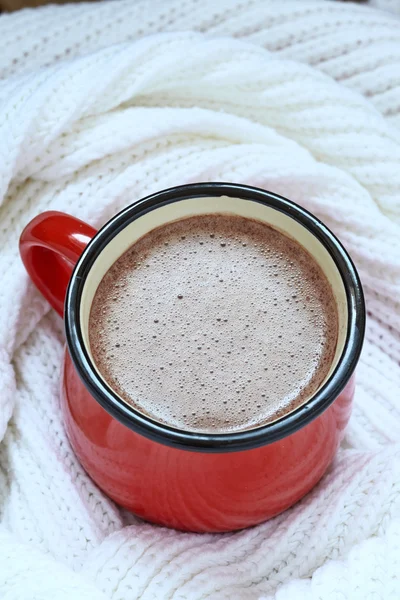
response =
{"points": [[98, 108]]}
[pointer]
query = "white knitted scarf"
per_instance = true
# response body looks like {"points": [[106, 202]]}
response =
{"points": [[101, 104]]}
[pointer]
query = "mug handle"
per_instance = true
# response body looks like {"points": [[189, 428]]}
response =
{"points": [[50, 246]]}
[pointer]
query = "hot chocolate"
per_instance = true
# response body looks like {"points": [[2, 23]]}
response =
{"points": [[214, 323]]}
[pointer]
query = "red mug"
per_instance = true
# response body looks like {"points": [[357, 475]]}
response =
{"points": [[181, 479]]}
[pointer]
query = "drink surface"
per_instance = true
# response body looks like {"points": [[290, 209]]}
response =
{"points": [[214, 323]]}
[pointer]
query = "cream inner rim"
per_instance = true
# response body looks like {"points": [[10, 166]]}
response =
{"points": [[208, 205]]}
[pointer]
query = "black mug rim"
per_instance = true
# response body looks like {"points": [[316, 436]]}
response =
{"points": [[222, 442]]}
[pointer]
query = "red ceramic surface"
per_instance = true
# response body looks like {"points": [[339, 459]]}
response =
{"points": [[198, 491], [188, 490]]}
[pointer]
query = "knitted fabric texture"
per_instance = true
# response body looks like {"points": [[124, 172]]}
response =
{"points": [[101, 104]]}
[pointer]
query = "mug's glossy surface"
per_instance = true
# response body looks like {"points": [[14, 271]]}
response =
{"points": [[203, 483], [198, 491]]}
